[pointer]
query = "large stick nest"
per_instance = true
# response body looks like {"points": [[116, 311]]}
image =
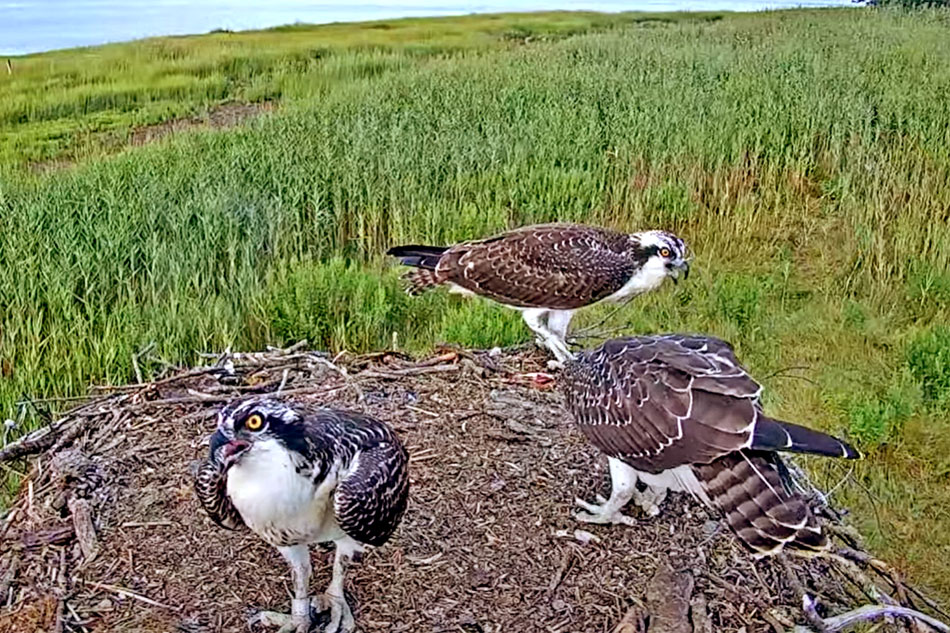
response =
{"points": [[106, 534]]}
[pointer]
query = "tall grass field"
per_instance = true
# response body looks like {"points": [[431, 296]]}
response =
{"points": [[804, 155]]}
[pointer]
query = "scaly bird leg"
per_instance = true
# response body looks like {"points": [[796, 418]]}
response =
{"points": [[298, 621], [623, 481], [534, 318], [341, 617]]}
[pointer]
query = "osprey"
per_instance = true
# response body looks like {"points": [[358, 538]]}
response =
{"points": [[295, 475], [678, 412], [548, 271]]}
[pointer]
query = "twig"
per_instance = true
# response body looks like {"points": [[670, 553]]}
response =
{"points": [[54, 399], [344, 374], [125, 592], [36, 540], [583, 332], [748, 595], [84, 527], [562, 569], [299, 345], [135, 360], [408, 371], [9, 575], [130, 524], [60, 593], [283, 380], [808, 604], [447, 357], [202, 371], [871, 612], [35, 442], [886, 571], [227, 398], [77, 429], [43, 438]]}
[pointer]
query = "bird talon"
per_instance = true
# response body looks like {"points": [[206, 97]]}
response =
{"points": [[590, 507], [341, 617], [597, 514], [283, 622]]}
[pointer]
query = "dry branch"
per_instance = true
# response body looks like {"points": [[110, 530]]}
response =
{"points": [[868, 613], [32, 443], [81, 512], [122, 591], [408, 371]]}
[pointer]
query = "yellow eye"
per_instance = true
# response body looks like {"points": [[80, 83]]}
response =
{"points": [[664, 252], [254, 422]]}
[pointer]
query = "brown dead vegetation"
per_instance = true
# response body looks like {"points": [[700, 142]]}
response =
{"points": [[106, 534], [221, 116]]}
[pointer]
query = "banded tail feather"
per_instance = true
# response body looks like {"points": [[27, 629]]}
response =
{"points": [[681, 407], [759, 506], [420, 280]]}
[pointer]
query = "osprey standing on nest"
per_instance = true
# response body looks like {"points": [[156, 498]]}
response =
{"points": [[678, 412], [297, 475], [548, 271]]}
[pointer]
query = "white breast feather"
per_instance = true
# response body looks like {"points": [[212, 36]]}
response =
{"points": [[679, 479], [277, 502], [647, 278]]}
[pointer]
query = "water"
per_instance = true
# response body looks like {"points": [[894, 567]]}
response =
{"points": [[28, 26]]}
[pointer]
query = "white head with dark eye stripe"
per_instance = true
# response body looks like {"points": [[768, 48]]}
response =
{"points": [[654, 256], [663, 252], [249, 423]]}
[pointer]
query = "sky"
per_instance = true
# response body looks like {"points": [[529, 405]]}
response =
{"points": [[28, 26]]}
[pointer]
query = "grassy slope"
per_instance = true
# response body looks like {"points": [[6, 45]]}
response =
{"points": [[77, 102], [804, 155]]}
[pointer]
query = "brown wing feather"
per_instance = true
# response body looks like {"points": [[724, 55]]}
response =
{"points": [[211, 490], [663, 401], [660, 402], [557, 266], [370, 502]]}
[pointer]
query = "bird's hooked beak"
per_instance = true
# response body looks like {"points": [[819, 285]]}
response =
{"points": [[228, 451], [681, 265]]}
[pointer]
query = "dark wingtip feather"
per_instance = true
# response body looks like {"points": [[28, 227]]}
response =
{"points": [[774, 435], [417, 255]]}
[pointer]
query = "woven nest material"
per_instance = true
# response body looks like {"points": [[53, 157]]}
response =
{"points": [[106, 534]]}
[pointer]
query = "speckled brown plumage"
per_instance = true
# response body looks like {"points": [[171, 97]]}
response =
{"points": [[211, 490], [548, 271], [557, 266], [661, 402]]}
